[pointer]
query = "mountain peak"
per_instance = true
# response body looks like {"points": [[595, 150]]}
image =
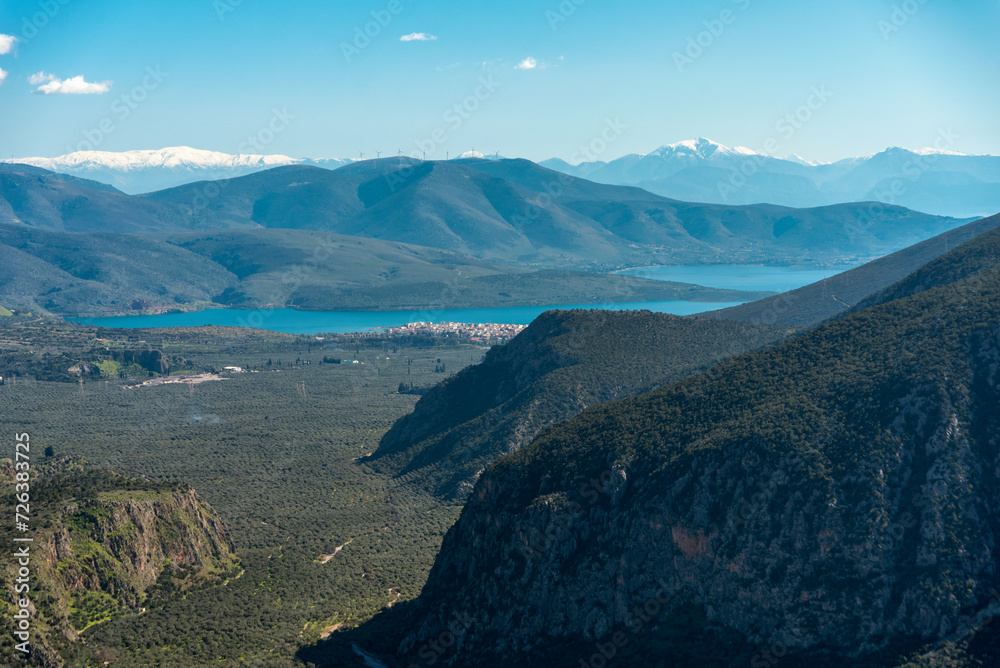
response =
{"points": [[701, 148]]}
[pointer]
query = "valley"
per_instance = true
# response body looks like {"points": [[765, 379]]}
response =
{"points": [[394, 334]]}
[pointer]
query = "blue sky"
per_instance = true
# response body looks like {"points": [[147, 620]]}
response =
{"points": [[891, 73]]}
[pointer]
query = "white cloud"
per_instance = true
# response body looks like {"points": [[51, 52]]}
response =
{"points": [[7, 43], [527, 64], [418, 37], [40, 77], [53, 85], [3, 74]]}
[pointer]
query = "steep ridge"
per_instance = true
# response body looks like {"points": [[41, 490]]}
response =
{"points": [[834, 496], [977, 256], [562, 363], [814, 303], [105, 545]]}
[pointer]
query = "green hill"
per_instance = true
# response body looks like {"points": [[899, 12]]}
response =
{"points": [[74, 274], [561, 364], [516, 211], [41, 199], [835, 496]]}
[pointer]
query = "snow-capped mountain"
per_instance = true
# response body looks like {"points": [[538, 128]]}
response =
{"points": [[143, 171], [932, 180]]}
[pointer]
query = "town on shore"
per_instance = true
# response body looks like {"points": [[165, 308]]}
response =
{"points": [[489, 332]]}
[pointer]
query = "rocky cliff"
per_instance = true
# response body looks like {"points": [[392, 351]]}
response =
{"points": [[106, 545], [833, 500]]}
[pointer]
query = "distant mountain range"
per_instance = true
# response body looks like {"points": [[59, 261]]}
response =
{"points": [[930, 180], [404, 232], [143, 171], [507, 211]]}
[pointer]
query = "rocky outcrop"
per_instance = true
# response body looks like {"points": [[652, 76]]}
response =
{"points": [[102, 541]]}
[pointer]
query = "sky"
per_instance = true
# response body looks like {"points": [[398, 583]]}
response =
{"points": [[525, 78]]}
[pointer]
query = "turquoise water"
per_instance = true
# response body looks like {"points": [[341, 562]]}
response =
{"points": [[738, 277], [340, 322], [771, 279]]}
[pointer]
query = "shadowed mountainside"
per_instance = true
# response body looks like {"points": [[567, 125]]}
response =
{"points": [[562, 363], [835, 495]]}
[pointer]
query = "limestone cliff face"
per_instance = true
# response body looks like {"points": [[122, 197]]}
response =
{"points": [[838, 494], [120, 542], [102, 541]]}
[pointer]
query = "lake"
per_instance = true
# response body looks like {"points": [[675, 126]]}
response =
{"points": [[738, 277], [772, 279], [340, 322]]}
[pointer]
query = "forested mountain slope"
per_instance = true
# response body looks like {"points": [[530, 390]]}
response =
{"points": [[562, 363], [836, 496]]}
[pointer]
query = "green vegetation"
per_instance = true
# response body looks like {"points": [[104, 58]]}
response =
{"points": [[4, 313], [274, 453], [99, 540], [87, 274], [90, 607], [564, 362], [397, 236], [772, 492]]}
